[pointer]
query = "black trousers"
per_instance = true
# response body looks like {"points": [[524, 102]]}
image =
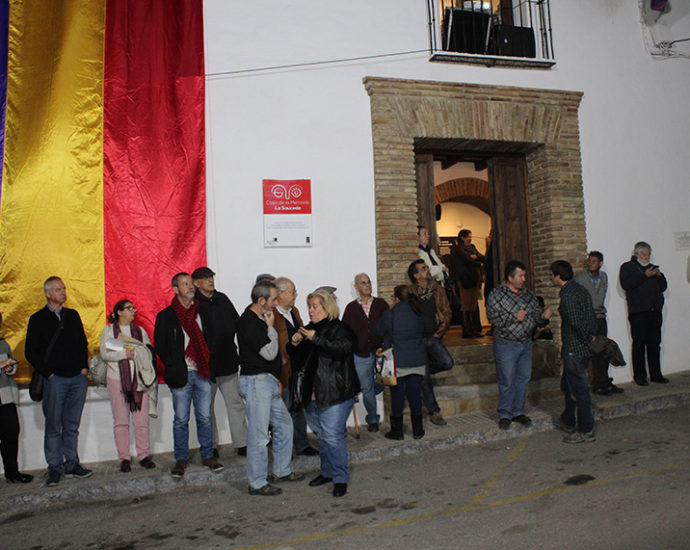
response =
{"points": [[645, 328], [600, 366], [9, 438]]}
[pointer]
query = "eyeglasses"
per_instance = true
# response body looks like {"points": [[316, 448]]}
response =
{"points": [[130, 308]]}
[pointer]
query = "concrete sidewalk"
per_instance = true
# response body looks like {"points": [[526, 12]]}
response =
{"points": [[108, 482]]}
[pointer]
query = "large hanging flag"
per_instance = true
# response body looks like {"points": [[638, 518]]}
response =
{"points": [[103, 173]]}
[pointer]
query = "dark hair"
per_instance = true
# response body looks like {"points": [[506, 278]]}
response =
{"points": [[596, 254], [511, 267], [563, 269], [262, 289], [114, 316], [412, 269], [404, 293], [178, 275], [420, 227], [464, 233]]}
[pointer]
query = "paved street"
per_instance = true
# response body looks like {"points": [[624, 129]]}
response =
{"points": [[628, 490]]}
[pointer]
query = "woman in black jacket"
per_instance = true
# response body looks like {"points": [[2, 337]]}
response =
{"points": [[329, 385], [401, 327]]}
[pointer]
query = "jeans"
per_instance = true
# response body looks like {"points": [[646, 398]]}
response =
{"points": [[234, 406], [410, 386], [197, 391], [329, 424], [63, 402], [513, 371], [439, 360], [575, 386], [299, 424], [365, 373], [264, 407], [645, 329]]}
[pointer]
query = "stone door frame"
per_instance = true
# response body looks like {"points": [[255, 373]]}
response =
{"points": [[542, 124]]}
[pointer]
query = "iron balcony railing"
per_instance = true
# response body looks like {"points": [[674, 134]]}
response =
{"points": [[491, 32]]}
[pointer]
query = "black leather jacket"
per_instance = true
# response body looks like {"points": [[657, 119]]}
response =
{"points": [[329, 363]]}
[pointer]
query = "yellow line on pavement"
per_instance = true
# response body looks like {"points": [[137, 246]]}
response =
{"points": [[493, 480], [470, 507]]}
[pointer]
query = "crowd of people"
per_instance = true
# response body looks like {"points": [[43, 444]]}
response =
{"points": [[278, 375]]}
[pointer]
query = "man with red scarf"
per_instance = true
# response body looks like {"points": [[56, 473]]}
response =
{"points": [[181, 337]]}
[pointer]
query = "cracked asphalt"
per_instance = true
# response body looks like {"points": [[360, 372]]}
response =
{"points": [[627, 490]]}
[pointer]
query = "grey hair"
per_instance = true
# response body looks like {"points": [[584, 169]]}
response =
{"points": [[282, 283], [49, 282], [262, 289], [359, 275], [640, 246]]}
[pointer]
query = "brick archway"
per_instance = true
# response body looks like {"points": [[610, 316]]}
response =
{"points": [[541, 123], [472, 191]]}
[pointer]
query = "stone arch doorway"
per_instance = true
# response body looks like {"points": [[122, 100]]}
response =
{"points": [[540, 126]]}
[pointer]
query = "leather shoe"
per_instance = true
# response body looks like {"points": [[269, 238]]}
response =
{"points": [[18, 478], [504, 423], [242, 451], [373, 427], [125, 466], [641, 382], [308, 451], [661, 380], [320, 480], [339, 489]]}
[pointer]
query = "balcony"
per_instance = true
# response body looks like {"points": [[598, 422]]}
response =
{"points": [[504, 33]]}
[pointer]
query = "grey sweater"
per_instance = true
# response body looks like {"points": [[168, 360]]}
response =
{"points": [[596, 291], [9, 393]]}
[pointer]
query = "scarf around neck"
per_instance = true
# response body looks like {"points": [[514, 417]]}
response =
{"points": [[197, 350], [127, 381]]}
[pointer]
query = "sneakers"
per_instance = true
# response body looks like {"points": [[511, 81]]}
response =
{"points": [[147, 463], [560, 425], [437, 418], [125, 466], [53, 478], [292, 476], [79, 472], [178, 469], [523, 419], [267, 490], [579, 437], [212, 464], [504, 423]]}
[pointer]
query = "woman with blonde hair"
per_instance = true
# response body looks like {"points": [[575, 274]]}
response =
{"points": [[123, 348], [324, 353]]}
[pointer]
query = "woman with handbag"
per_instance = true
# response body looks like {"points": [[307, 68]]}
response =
{"points": [[329, 384], [401, 327], [121, 344], [9, 421]]}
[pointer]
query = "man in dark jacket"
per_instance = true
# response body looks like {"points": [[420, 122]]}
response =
{"points": [[578, 327], [362, 315], [644, 286], [224, 362], [181, 338], [56, 347]]}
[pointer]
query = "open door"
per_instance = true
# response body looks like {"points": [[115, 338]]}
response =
{"points": [[510, 214], [426, 203]]}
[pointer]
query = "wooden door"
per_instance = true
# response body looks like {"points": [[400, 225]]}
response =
{"points": [[510, 214], [426, 202]]}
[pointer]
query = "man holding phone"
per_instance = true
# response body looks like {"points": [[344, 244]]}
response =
{"points": [[644, 286]]}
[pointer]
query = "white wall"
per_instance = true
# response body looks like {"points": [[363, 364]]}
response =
{"points": [[314, 122]]}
